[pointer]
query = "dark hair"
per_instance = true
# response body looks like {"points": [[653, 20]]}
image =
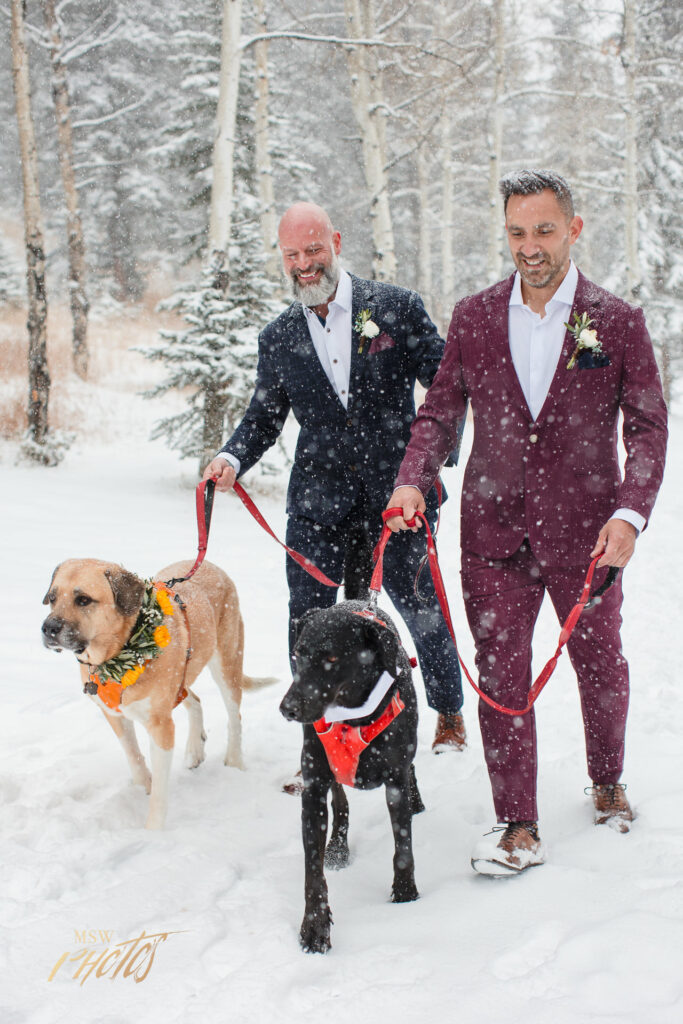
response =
{"points": [[526, 183]]}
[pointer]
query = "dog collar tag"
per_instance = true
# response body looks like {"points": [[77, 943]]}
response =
{"points": [[337, 713]]}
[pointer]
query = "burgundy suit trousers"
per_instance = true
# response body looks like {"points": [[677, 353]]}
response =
{"points": [[502, 600]]}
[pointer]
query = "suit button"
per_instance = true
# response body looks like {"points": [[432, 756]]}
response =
{"points": [[353, 469], [349, 423], [533, 438]]}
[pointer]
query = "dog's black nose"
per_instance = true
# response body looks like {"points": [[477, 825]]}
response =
{"points": [[51, 627], [289, 706]]}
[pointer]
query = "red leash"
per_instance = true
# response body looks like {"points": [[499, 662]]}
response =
{"points": [[204, 499], [565, 633], [301, 560], [205, 496]]}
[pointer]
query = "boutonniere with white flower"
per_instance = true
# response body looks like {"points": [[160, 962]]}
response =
{"points": [[586, 339], [365, 327]]}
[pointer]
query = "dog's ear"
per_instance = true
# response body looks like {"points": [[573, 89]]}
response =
{"points": [[127, 589], [385, 642], [46, 599], [299, 623]]}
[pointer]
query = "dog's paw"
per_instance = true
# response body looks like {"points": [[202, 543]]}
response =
{"points": [[404, 892], [194, 755], [337, 854], [141, 777], [233, 761], [315, 931]]}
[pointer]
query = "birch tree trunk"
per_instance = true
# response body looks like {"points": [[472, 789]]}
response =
{"points": [[369, 109], [264, 166], [38, 375], [76, 248], [424, 257], [224, 139], [495, 144], [446, 228], [633, 278]]}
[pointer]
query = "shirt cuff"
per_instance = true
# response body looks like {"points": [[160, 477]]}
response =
{"points": [[396, 486], [629, 516], [235, 462]]}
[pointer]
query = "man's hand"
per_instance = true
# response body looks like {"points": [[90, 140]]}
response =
{"points": [[411, 501], [225, 474], [616, 541]]}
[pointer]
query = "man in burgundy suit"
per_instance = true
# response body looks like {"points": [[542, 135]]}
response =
{"points": [[543, 492]]}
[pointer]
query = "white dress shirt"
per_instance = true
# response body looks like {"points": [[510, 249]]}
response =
{"points": [[535, 341], [332, 342], [536, 345]]}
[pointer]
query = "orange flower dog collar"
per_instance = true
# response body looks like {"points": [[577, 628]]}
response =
{"points": [[149, 636]]}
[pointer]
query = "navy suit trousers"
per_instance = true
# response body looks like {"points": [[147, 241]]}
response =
{"points": [[326, 546]]}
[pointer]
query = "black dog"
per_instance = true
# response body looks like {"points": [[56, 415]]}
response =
{"points": [[349, 660]]}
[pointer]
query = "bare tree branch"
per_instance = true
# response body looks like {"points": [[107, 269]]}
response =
{"points": [[92, 122]]}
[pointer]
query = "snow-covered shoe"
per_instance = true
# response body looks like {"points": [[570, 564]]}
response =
{"points": [[450, 733], [611, 806], [518, 848]]}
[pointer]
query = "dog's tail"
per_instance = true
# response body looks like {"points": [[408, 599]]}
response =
{"points": [[258, 682]]}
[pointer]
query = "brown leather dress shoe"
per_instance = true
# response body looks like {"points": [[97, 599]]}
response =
{"points": [[518, 848], [450, 733], [611, 806]]}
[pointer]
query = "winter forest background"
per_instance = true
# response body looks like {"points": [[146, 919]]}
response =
{"points": [[150, 232], [399, 116]]}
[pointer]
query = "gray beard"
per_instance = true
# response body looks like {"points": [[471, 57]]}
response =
{"points": [[317, 294]]}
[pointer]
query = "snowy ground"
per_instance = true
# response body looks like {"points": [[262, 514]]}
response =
{"points": [[593, 936]]}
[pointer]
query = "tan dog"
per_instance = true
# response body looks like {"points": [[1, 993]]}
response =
{"points": [[94, 609]]}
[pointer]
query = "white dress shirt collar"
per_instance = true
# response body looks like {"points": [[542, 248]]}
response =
{"points": [[342, 297], [564, 294]]}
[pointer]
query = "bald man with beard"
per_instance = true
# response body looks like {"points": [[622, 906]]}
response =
{"points": [[344, 358]]}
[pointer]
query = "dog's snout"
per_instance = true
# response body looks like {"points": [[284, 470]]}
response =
{"points": [[52, 626], [289, 706]]}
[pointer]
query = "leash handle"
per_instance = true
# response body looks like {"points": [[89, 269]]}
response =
{"points": [[610, 578], [567, 629]]}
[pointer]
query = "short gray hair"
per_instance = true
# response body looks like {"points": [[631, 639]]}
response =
{"points": [[532, 182]]}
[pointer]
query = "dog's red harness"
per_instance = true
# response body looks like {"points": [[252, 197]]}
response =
{"points": [[345, 743]]}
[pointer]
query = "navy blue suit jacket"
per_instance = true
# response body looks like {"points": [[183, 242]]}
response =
{"points": [[343, 456]]}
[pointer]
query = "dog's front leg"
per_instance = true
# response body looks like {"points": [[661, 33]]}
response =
{"points": [[125, 732], [161, 738], [337, 852], [315, 927], [398, 801]]}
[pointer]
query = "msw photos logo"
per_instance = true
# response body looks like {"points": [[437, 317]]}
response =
{"points": [[130, 958]]}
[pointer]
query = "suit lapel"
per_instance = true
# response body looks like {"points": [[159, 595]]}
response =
{"points": [[362, 297], [497, 304], [303, 350]]}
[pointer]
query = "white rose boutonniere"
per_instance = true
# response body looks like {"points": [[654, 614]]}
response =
{"points": [[585, 338], [365, 327]]}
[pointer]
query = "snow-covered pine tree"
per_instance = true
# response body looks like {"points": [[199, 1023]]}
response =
{"points": [[661, 175], [186, 141], [215, 354]]}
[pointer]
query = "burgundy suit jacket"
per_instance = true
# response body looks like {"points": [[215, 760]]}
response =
{"points": [[555, 479]]}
